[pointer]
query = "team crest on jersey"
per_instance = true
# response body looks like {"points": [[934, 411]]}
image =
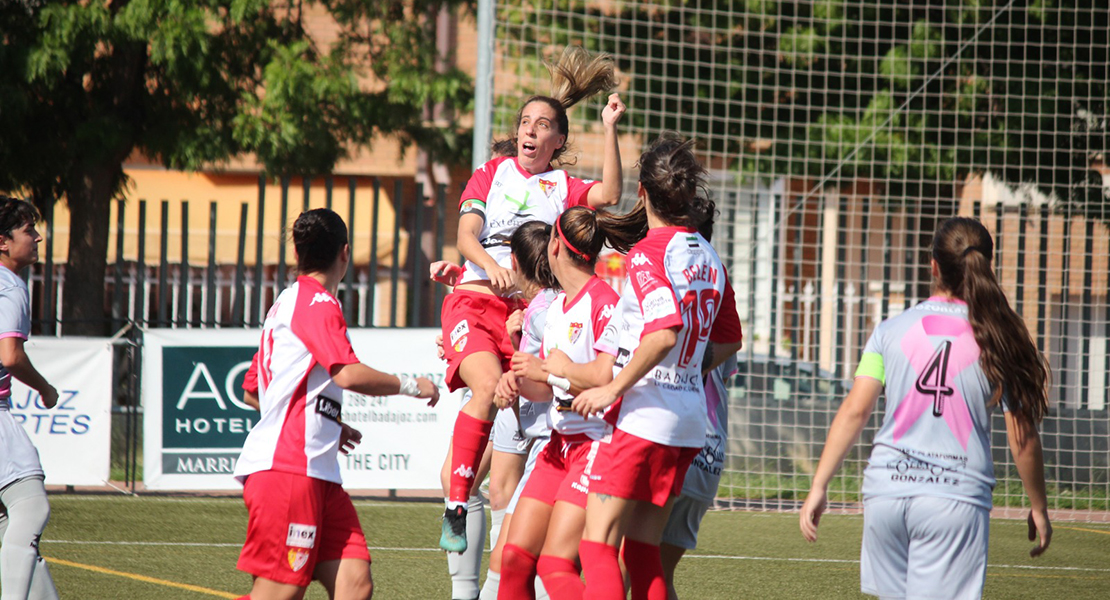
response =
{"points": [[297, 559], [548, 186], [575, 331]]}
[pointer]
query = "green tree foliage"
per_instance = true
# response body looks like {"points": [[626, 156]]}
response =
{"points": [[192, 83], [913, 95]]}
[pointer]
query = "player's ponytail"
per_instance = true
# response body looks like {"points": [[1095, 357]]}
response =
{"points": [[528, 245], [963, 249], [577, 75], [675, 182]]}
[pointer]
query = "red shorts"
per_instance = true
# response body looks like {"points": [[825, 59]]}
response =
{"points": [[562, 471], [475, 322], [633, 468], [295, 522]]}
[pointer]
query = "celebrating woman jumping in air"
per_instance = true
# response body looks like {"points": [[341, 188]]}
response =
{"points": [[500, 196]]}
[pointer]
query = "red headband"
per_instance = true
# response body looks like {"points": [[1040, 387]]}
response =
{"points": [[559, 228]]}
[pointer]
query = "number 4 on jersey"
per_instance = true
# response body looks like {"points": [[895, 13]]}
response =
{"points": [[933, 381]]}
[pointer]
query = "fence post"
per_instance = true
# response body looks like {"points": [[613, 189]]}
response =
{"points": [[163, 264], [416, 288], [258, 306], [1042, 273], [372, 278], [210, 277], [118, 311], [1020, 293], [279, 281], [140, 269], [441, 216], [185, 299], [349, 278], [238, 289], [395, 270], [329, 184], [773, 341], [48, 324], [1088, 299]]}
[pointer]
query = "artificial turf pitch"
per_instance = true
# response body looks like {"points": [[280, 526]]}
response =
{"points": [[112, 547]]}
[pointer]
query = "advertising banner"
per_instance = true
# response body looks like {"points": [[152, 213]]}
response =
{"points": [[73, 438], [195, 420]]}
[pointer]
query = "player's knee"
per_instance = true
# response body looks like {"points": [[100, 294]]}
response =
{"points": [[495, 559], [32, 511]]}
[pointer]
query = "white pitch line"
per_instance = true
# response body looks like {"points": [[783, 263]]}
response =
{"points": [[702, 556], [229, 500], [847, 561]]}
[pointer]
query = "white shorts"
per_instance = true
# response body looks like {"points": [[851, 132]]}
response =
{"points": [[685, 521], [506, 435], [924, 547], [537, 446]]}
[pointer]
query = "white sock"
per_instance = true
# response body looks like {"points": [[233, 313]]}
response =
{"points": [[541, 594], [498, 517], [464, 568], [491, 586], [23, 573]]}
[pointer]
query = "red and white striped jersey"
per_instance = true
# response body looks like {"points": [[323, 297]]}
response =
{"points": [[675, 280], [304, 336], [574, 326], [507, 196]]}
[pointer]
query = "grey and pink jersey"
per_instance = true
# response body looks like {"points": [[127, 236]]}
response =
{"points": [[15, 318], [935, 435]]}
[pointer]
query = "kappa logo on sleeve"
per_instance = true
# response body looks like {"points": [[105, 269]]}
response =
{"points": [[639, 259], [659, 304], [301, 536], [323, 297], [607, 311]]}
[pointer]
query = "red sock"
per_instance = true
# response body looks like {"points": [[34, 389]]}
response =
{"points": [[603, 573], [518, 574], [560, 578], [645, 568], [467, 446]]}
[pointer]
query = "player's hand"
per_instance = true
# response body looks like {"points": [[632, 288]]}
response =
{"points": [[502, 279], [444, 272], [594, 401], [810, 517], [556, 363], [49, 396], [428, 390], [439, 346], [527, 365], [506, 392], [1039, 526], [349, 437], [613, 110], [515, 323]]}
